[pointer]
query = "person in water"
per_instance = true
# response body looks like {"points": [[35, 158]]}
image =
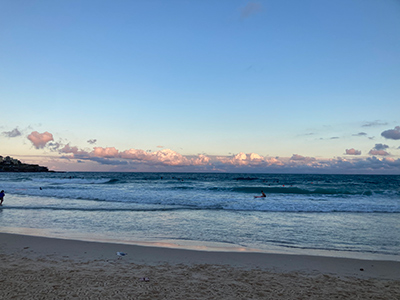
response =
{"points": [[2, 197], [263, 195]]}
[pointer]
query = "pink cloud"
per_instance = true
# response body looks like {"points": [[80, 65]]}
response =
{"points": [[108, 152], [163, 157], [378, 152], [69, 149], [201, 160], [242, 159], [74, 150], [39, 140], [135, 154], [353, 151], [274, 162], [250, 160], [110, 158], [170, 158]]}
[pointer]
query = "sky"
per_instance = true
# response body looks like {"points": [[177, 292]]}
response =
{"points": [[275, 86]]}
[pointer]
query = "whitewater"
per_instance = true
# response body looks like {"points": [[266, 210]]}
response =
{"points": [[334, 215]]}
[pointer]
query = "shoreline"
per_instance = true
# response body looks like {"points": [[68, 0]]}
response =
{"points": [[200, 245], [48, 268], [34, 247]]}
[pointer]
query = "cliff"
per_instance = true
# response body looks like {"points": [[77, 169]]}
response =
{"points": [[9, 164]]}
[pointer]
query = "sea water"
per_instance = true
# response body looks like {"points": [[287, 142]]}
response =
{"points": [[334, 215]]}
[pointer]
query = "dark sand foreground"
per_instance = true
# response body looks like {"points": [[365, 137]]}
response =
{"points": [[44, 268]]}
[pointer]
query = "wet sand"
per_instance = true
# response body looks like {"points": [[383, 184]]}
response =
{"points": [[48, 268]]}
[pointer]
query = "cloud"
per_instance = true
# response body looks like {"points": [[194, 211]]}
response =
{"points": [[108, 152], [379, 150], [360, 134], [110, 158], [39, 140], [74, 150], [251, 8], [297, 157], [105, 161], [242, 159], [13, 133], [374, 124], [380, 146], [374, 163], [111, 155], [393, 134], [54, 146], [353, 151], [92, 141]]}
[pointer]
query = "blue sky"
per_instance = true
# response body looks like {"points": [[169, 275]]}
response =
{"points": [[258, 86]]}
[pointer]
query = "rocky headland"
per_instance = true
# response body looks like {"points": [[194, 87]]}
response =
{"points": [[9, 164]]}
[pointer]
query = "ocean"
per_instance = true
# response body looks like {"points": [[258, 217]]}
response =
{"points": [[333, 215]]}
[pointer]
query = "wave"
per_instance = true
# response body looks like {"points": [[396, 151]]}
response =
{"points": [[97, 209], [60, 181], [204, 208], [300, 191]]}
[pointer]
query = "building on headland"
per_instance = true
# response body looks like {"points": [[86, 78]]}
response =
{"points": [[9, 164]]}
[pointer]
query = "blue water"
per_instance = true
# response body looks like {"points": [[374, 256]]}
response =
{"points": [[337, 215]]}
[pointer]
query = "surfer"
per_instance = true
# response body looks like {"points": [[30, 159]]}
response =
{"points": [[2, 197], [263, 195]]}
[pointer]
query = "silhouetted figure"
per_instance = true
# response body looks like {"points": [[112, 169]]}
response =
{"points": [[2, 197]]}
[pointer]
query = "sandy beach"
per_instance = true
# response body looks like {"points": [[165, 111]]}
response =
{"points": [[46, 268]]}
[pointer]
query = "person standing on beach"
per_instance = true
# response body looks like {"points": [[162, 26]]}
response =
{"points": [[2, 197]]}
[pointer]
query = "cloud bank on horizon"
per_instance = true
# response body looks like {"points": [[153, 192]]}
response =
{"points": [[377, 161]]}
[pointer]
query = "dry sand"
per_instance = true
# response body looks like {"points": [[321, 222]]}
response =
{"points": [[44, 268]]}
